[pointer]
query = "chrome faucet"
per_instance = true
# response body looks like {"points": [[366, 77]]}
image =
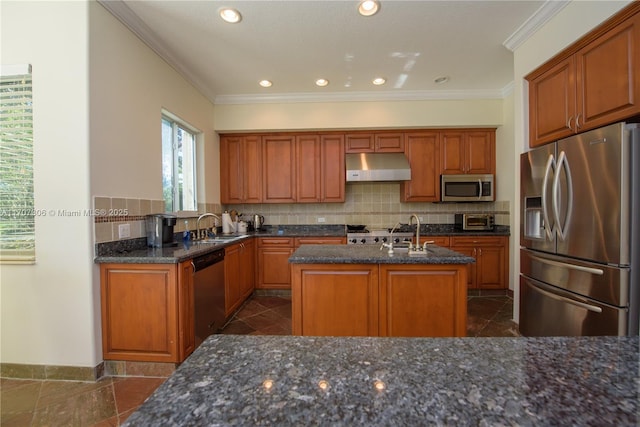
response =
{"points": [[417, 230], [204, 215], [390, 244]]}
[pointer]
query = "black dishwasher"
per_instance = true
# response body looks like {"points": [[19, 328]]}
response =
{"points": [[208, 294]]}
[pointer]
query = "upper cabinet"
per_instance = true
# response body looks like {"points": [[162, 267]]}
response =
{"points": [[468, 152], [320, 169], [374, 142], [240, 169], [278, 168], [592, 83], [423, 151]]}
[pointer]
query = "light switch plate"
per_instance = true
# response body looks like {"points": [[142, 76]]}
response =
{"points": [[124, 230]]}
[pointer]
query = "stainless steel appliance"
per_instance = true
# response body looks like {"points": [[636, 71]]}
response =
{"points": [[364, 236], [377, 167], [258, 221], [208, 294], [580, 232], [474, 222], [467, 188], [160, 230]]}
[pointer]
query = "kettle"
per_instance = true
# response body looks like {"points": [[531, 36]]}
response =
{"points": [[258, 221]]}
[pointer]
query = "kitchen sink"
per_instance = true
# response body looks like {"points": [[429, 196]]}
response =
{"points": [[222, 239]]}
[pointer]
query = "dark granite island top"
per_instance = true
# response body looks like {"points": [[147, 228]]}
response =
{"points": [[371, 254], [285, 381]]}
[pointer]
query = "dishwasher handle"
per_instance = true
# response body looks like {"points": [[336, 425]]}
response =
{"points": [[204, 261]]}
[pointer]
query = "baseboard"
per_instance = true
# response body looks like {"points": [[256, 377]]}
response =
{"points": [[51, 372]]}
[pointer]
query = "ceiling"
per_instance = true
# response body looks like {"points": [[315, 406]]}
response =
{"points": [[293, 43]]}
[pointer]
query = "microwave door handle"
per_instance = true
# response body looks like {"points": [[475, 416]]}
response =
{"points": [[549, 228], [479, 189]]}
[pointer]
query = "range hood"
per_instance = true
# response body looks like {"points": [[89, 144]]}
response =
{"points": [[377, 167]]}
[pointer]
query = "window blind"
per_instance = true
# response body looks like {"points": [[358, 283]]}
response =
{"points": [[17, 209]]}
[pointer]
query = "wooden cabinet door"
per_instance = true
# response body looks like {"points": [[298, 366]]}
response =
{"points": [[480, 152], [247, 268], [437, 240], [552, 103], [389, 142], [453, 153], [186, 306], [333, 168], [423, 152], [278, 169], [608, 76], [491, 268], [423, 301], [231, 169], [320, 241], [273, 263], [335, 300], [252, 169], [240, 169], [308, 168], [139, 312], [359, 142], [232, 268]]}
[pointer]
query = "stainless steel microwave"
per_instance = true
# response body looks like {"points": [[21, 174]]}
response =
{"points": [[467, 188]]}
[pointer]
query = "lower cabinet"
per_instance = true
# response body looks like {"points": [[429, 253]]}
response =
{"points": [[239, 277], [386, 300], [147, 312], [273, 258], [491, 268]]}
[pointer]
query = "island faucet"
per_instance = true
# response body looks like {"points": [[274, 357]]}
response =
{"points": [[417, 229], [204, 215], [390, 244]]}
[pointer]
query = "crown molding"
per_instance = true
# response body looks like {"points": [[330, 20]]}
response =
{"points": [[124, 14], [422, 95], [541, 16]]}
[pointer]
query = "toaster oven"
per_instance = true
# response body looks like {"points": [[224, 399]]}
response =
{"points": [[474, 222]]}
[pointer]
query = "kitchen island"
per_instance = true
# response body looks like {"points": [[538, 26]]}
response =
{"points": [[354, 290], [285, 381]]}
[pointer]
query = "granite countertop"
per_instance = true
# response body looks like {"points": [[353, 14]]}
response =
{"points": [[372, 254], [135, 251], [426, 381]]}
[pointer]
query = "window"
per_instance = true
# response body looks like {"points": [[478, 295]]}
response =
{"points": [[178, 166], [17, 210]]}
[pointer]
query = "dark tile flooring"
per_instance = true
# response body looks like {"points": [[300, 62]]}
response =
{"points": [[109, 401]]}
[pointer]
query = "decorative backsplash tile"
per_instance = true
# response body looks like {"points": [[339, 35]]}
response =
{"points": [[376, 205]]}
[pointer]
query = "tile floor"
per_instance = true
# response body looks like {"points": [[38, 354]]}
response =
{"points": [[110, 400]]}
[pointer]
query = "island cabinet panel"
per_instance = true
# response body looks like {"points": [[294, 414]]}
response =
{"points": [[335, 300], [423, 301], [273, 262], [592, 83], [147, 312]]}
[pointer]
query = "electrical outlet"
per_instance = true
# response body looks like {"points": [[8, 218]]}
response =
{"points": [[421, 218], [321, 219], [124, 230]]}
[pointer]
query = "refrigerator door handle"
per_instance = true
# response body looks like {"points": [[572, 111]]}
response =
{"points": [[589, 307], [590, 270], [549, 228], [562, 163]]}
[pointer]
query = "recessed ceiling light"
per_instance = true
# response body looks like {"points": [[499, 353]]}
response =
{"points": [[265, 83], [230, 15], [441, 80], [379, 81], [368, 7], [322, 82]]}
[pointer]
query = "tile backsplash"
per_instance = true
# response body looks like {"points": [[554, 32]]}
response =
{"points": [[374, 204]]}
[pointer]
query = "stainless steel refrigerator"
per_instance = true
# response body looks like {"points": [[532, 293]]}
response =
{"points": [[580, 235]]}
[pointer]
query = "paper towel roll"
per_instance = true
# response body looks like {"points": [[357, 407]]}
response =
{"points": [[227, 225]]}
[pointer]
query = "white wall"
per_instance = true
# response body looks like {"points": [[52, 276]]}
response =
{"points": [[574, 21], [47, 309], [130, 85]]}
